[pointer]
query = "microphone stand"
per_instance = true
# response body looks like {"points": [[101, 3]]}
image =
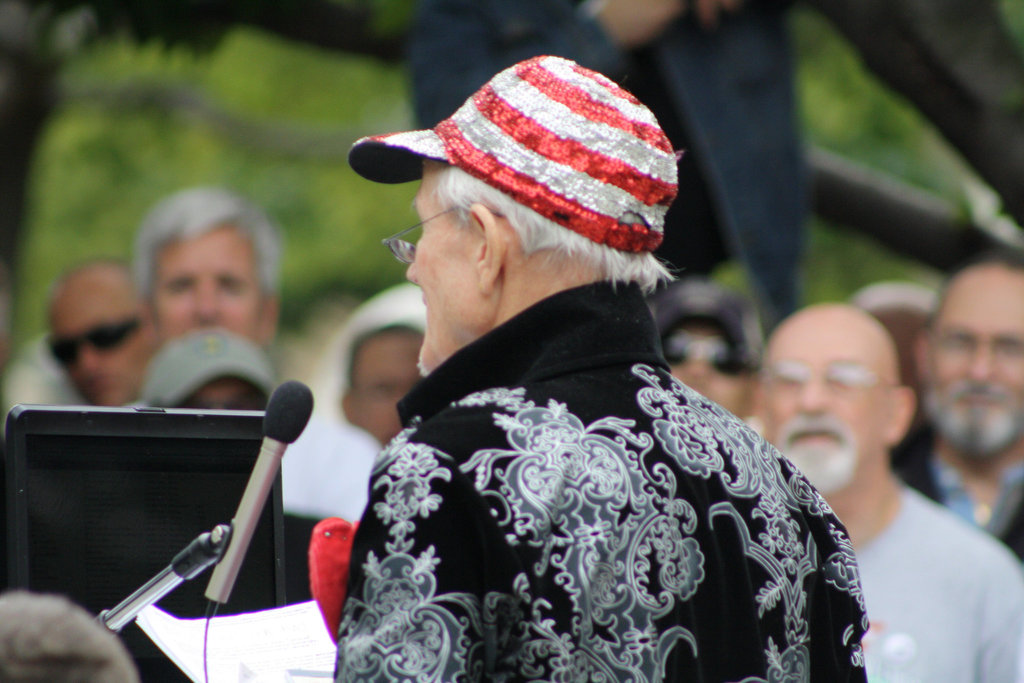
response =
{"points": [[204, 550]]}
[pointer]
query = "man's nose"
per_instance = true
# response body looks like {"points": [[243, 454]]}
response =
{"points": [[814, 396], [207, 303], [982, 363], [88, 359]]}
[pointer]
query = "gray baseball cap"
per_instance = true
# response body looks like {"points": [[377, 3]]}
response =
{"points": [[185, 364]]}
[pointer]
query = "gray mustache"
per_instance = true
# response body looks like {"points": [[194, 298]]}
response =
{"points": [[969, 389], [802, 425]]}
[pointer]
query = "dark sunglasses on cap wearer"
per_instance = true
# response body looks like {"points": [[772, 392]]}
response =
{"points": [[722, 356], [65, 349]]}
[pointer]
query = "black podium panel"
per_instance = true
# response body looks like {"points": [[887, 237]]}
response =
{"points": [[99, 500]]}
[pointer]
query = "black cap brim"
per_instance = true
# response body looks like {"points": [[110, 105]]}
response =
{"points": [[395, 158]]}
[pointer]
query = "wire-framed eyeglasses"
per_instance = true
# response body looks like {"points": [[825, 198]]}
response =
{"points": [[404, 250], [840, 378]]}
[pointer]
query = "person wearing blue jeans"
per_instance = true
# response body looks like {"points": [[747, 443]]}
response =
{"points": [[718, 76]]}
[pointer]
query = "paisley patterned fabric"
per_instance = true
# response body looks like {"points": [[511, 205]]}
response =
{"points": [[559, 508]]}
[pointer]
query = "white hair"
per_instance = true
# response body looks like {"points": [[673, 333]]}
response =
{"points": [[456, 188], [193, 213]]}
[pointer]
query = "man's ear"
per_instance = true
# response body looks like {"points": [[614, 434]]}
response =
{"points": [[348, 404], [923, 354], [269, 316], [147, 316], [496, 246], [147, 328], [902, 404]]}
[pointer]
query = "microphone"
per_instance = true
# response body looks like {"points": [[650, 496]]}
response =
{"points": [[287, 413]]}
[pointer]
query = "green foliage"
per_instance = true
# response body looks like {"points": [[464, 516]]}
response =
{"points": [[392, 17], [840, 262], [98, 171], [1013, 11], [846, 109]]}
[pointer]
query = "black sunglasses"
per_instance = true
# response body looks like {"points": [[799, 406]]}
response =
{"points": [[722, 356], [65, 349]]}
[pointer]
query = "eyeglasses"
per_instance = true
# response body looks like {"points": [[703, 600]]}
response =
{"points": [[65, 349], [403, 250], [722, 356], [841, 378], [958, 345]]}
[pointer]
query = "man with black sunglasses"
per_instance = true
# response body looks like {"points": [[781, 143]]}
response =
{"points": [[96, 332], [712, 340]]}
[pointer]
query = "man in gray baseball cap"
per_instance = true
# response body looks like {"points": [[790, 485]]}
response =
{"points": [[209, 369]]}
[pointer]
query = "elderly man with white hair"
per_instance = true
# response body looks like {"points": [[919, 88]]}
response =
{"points": [[557, 506]]}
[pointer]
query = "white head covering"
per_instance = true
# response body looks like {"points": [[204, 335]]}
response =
{"points": [[401, 305]]}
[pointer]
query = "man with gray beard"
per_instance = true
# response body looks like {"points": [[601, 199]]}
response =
{"points": [[970, 454], [944, 600]]}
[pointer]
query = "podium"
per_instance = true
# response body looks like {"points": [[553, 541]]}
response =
{"points": [[99, 500]]}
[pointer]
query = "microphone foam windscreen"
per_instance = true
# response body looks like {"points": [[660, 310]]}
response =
{"points": [[288, 411]]}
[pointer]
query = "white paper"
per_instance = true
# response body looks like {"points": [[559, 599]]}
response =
{"points": [[283, 645]]}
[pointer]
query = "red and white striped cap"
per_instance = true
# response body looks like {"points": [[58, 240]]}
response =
{"points": [[558, 138]]}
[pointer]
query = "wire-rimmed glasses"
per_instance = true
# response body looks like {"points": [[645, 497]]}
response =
{"points": [[840, 378], [404, 250]]}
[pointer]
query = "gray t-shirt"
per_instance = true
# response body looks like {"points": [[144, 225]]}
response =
{"points": [[945, 600]]}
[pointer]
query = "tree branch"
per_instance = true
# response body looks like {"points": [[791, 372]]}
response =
{"points": [[193, 106], [331, 26], [908, 220]]}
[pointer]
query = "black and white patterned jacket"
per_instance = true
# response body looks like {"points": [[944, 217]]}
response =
{"points": [[559, 508]]}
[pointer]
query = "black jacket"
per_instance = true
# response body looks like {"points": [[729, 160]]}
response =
{"points": [[559, 508]]}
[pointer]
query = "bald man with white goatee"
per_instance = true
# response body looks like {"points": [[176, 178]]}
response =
{"points": [[945, 601]]}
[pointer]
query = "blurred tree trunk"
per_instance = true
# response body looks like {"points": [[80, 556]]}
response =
{"points": [[26, 102]]}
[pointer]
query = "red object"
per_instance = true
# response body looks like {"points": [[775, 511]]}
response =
{"points": [[330, 549]]}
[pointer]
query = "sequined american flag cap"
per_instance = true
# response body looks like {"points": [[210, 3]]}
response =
{"points": [[558, 138]]}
